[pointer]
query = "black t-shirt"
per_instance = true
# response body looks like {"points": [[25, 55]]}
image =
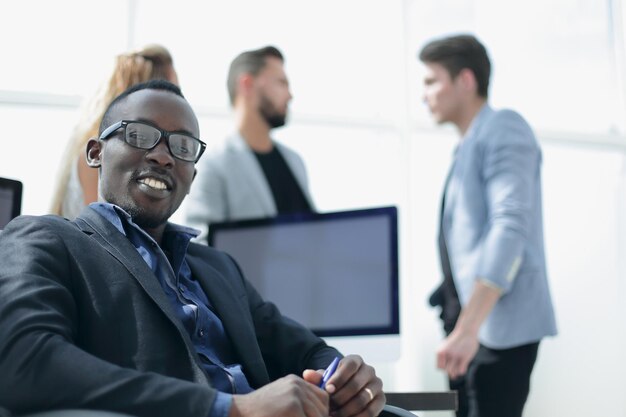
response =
{"points": [[288, 195]]}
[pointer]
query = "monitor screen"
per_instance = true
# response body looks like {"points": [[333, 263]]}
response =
{"points": [[336, 273], [10, 200]]}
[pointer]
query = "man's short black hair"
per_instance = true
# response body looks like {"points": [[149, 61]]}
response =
{"points": [[455, 53], [162, 85], [249, 62]]}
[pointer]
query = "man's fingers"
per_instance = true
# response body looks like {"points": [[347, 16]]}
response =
{"points": [[456, 367], [316, 402], [368, 401], [312, 400], [347, 367], [361, 378], [441, 359], [312, 377], [463, 367], [290, 395]]}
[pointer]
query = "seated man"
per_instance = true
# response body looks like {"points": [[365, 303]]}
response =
{"points": [[119, 311]]}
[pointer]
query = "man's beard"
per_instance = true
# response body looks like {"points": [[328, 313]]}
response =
{"points": [[144, 219], [270, 115], [140, 216]]}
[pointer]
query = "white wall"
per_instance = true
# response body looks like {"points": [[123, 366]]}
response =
{"points": [[367, 140], [582, 215]]}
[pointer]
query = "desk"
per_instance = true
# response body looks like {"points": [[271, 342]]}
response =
{"points": [[424, 401]]}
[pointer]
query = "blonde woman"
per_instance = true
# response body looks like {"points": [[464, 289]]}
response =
{"points": [[77, 184]]}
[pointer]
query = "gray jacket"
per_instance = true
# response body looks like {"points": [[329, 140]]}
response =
{"points": [[492, 222], [230, 185]]}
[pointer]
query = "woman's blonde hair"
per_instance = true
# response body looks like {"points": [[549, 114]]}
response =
{"points": [[150, 62]]}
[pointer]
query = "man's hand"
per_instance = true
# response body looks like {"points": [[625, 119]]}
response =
{"points": [[354, 389], [456, 352], [460, 347], [288, 396]]}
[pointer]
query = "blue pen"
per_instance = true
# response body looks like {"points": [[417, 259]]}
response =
{"points": [[329, 372]]}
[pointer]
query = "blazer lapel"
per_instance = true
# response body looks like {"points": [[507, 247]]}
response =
{"points": [[227, 307], [452, 184], [461, 160], [121, 249]]}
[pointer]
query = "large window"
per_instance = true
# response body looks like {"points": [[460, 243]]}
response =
{"points": [[62, 46], [554, 61]]}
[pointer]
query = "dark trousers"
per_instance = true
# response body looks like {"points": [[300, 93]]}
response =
{"points": [[497, 382]]}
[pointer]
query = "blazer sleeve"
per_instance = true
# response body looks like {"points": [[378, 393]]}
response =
{"points": [[207, 201], [510, 173], [42, 366]]}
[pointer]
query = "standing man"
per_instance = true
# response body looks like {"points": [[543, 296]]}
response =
{"points": [[495, 299], [252, 175], [119, 311]]}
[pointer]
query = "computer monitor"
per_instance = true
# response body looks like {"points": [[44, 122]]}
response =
{"points": [[336, 273], [10, 200]]}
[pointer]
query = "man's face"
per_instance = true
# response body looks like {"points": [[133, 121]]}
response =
{"points": [[273, 92], [149, 184], [442, 94]]}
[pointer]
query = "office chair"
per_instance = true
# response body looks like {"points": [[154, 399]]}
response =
{"points": [[392, 411]]}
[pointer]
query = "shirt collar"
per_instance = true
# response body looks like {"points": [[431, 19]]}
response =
{"points": [[115, 215]]}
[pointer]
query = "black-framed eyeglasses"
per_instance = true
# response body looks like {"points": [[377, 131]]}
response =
{"points": [[143, 135]]}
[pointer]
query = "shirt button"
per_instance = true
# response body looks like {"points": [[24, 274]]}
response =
{"points": [[201, 332]]}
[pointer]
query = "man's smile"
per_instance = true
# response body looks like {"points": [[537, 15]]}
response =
{"points": [[153, 183]]}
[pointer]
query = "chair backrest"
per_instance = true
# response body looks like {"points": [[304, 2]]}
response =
{"points": [[10, 200]]}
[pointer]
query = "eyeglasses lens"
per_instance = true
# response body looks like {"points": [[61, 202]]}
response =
{"points": [[144, 136]]}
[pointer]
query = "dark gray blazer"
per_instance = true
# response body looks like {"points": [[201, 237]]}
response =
{"points": [[85, 324]]}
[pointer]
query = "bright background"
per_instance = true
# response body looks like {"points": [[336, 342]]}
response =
{"points": [[367, 139]]}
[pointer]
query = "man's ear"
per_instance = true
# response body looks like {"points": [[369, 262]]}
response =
{"points": [[94, 153], [246, 83], [468, 80]]}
